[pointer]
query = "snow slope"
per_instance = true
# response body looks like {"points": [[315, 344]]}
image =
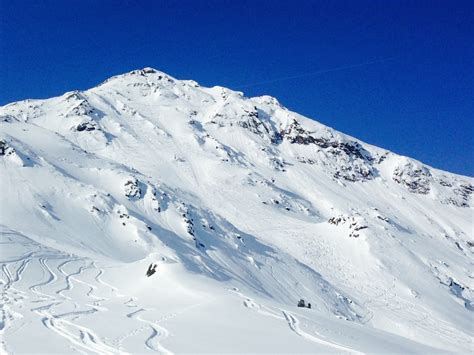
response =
{"points": [[244, 206]]}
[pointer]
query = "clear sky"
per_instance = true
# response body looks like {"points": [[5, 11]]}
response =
{"points": [[397, 74]]}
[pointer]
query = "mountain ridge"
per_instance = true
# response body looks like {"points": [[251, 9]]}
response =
{"points": [[246, 193]]}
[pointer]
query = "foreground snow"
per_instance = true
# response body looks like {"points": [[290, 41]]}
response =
{"points": [[98, 307], [244, 206]]}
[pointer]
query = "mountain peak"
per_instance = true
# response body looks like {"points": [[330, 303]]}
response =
{"points": [[141, 75], [229, 196]]}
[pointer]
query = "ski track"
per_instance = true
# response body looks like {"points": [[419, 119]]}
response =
{"points": [[99, 280], [69, 277], [183, 310], [86, 339], [275, 198], [52, 278], [262, 309], [81, 336], [53, 292], [292, 321], [10, 297], [158, 333]]}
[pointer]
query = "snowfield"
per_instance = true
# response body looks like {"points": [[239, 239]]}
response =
{"points": [[244, 207]]}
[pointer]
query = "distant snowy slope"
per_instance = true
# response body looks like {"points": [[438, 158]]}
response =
{"points": [[245, 207]]}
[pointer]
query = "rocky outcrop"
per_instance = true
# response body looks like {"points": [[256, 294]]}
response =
{"points": [[296, 134], [355, 224], [415, 178], [189, 222], [6, 149], [79, 105], [86, 126], [461, 194], [354, 162], [3, 148], [132, 189], [252, 121]]}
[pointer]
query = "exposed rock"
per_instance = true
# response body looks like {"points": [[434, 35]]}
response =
{"points": [[81, 107], [355, 224], [355, 163], [416, 178], [8, 118], [132, 189], [354, 172], [86, 126], [5, 149], [155, 204], [184, 211], [296, 134], [460, 191], [464, 191], [278, 164], [306, 160], [250, 120]]}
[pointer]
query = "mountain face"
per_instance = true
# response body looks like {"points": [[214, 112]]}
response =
{"points": [[244, 207]]}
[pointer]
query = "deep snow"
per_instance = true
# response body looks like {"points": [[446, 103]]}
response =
{"points": [[245, 207]]}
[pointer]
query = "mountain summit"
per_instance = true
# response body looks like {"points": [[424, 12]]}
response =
{"points": [[242, 208]]}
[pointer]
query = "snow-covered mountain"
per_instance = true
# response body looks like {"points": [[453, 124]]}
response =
{"points": [[244, 207]]}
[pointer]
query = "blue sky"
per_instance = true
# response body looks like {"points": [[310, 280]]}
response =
{"points": [[397, 74]]}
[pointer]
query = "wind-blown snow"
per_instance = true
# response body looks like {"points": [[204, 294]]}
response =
{"points": [[245, 207]]}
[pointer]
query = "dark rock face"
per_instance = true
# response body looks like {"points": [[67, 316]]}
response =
{"points": [[296, 134], [86, 126], [155, 202], [354, 173], [82, 109], [132, 189], [7, 118], [149, 71], [306, 160], [415, 178], [80, 105], [252, 121], [250, 118], [278, 163], [5, 149], [355, 224], [462, 195], [418, 179], [337, 220], [355, 163], [189, 222], [464, 191], [146, 71]]}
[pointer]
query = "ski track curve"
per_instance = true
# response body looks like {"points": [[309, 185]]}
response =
{"points": [[85, 338], [68, 277], [77, 335], [11, 297], [158, 332], [259, 308], [52, 278], [293, 323], [47, 291]]}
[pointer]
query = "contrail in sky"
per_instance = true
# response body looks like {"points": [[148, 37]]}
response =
{"points": [[315, 73]]}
